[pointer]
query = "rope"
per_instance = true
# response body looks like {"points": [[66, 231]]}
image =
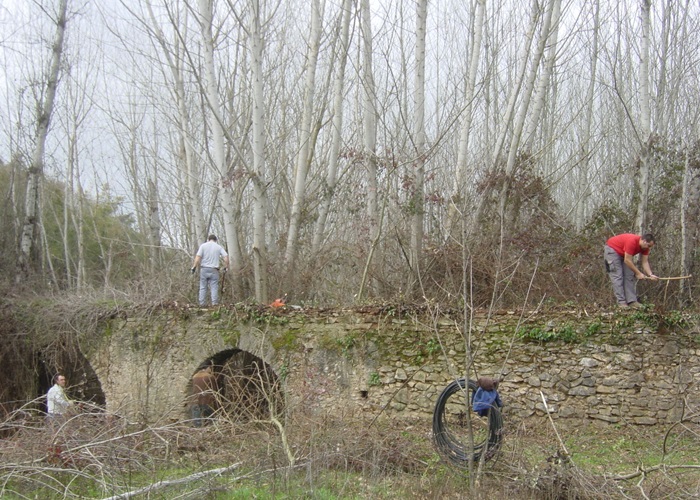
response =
{"points": [[447, 423]]}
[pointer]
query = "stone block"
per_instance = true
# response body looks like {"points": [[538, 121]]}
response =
{"points": [[395, 405], [611, 380], [568, 412], [670, 348], [588, 382], [562, 386], [582, 391], [555, 396], [645, 420], [589, 362], [665, 404], [606, 418], [605, 389], [552, 408]]}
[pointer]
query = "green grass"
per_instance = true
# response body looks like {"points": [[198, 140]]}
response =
{"points": [[616, 450], [392, 459]]}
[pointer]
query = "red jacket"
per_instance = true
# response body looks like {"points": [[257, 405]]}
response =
{"points": [[627, 243]]}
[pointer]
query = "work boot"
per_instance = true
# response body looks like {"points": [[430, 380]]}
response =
{"points": [[636, 305], [622, 305]]}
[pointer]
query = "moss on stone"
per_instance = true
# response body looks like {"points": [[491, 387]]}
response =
{"points": [[287, 340], [230, 337]]}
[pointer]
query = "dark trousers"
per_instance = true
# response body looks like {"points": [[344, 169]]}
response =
{"points": [[201, 414]]}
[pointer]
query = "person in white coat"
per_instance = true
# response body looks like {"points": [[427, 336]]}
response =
{"points": [[57, 403]]}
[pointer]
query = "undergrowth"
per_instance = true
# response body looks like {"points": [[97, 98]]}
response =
{"points": [[337, 457]]}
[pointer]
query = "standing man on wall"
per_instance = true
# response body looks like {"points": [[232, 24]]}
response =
{"points": [[208, 258], [619, 253]]}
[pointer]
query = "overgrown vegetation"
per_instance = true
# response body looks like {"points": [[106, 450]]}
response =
{"points": [[335, 456], [96, 455], [565, 333], [101, 249]]}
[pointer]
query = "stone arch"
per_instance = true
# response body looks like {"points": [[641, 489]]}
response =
{"points": [[83, 383], [247, 387]]}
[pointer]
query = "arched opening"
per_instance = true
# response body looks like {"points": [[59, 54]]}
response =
{"points": [[242, 387], [82, 382]]}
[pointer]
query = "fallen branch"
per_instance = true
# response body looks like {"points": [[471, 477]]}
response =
{"points": [[642, 471], [676, 278], [163, 484], [567, 456]]}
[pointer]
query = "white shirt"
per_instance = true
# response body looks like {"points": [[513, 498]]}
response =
{"points": [[211, 252], [56, 400]]}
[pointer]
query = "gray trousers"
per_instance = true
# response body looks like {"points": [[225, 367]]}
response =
{"points": [[208, 278], [622, 277]]}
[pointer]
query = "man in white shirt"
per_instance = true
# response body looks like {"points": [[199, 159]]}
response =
{"points": [[208, 258], [57, 403]]}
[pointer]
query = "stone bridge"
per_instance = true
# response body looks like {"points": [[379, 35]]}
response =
{"points": [[614, 367]]}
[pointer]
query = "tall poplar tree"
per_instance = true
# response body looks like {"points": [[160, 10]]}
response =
{"points": [[31, 227]]}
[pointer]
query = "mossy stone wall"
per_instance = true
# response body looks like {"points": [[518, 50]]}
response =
{"points": [[627, 368]]}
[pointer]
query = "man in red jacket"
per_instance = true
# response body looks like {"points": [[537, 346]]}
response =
{"points": [[619, 253]]}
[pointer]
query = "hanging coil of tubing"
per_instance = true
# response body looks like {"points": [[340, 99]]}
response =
{"points": [[451, 427]]}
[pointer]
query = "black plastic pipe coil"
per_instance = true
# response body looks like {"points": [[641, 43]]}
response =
{"points": [[447, 443]]}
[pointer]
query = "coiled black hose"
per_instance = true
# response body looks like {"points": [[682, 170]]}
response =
{"points": [[450, 426]]}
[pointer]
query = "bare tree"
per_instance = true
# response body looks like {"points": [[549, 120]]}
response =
{"points": [[305, 151], [369, 122], [585, 158], [331, 179], [419, 140], [216, 125], [75, 116], [175, 58], [690, 218], [32, 224], [522, 113], [459, 187], [260, 183], [548, 41], [644, 132], [506, 118]]}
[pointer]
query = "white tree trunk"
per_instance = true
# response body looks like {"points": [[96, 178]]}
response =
{"points": [[690, 219], [548, 40], [260, 202], [459, 187], [331, 179], [644, 120], [369, 152], [417, 198], [68, 208], [514, 91], [191, 185], [369, 120], [155, 229], [32, 223], [304, 154], [505, 119], [228, 204], [523, 109], [583, 189]]}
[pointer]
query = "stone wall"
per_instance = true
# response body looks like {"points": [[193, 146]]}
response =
{"points": [[620, 368]]}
